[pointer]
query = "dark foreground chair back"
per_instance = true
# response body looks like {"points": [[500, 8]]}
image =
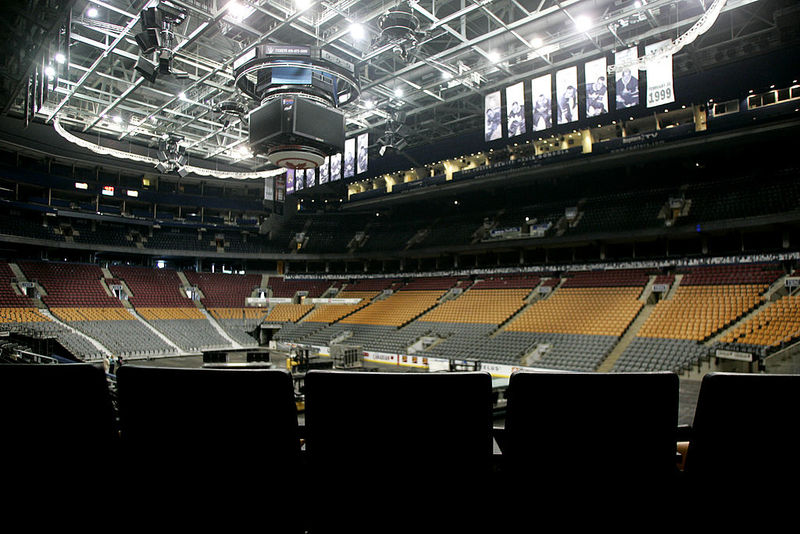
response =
{"points": [[58, 424], [575, 439], [213, 438], [399, 452], [744, 434]]}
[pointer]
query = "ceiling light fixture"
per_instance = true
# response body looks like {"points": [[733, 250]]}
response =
{"points": [[583, 23]]}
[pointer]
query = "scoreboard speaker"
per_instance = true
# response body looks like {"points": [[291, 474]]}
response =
{"points": [[295, 132]]}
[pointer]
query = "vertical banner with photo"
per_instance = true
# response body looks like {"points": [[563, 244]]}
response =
{"points": [[350, 157], [336, 166], [659, 75], [299, 179], [493, 128], [311, 177], [627, 78], [596, 87], [325, 170], [363, 153], [542, 98], [515, 102], [290, 181], [567, 95]]}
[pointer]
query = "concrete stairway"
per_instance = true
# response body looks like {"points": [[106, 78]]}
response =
{"points": [[626, 338]]}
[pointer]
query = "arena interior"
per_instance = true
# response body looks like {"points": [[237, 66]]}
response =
{"points": [[459, 332]]}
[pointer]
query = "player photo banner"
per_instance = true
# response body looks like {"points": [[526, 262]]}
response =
{"points": [[493, 128], [542, 97], [567, 94], [336, 166], [596, 87], [515, 101], [363, 153], [325, 170], [627, 80], [659, 76], [299, 179], [350, 157]]}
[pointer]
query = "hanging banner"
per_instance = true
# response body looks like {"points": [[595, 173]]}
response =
{"points": [[567, 93], [280, 189], [336, 166], [515, 100], [596, 87], [542, 96], [350, 158], [269, 188], [363, 153], [325, 170], [493, 129], [289, 181], [659, 76], [299, 179], [627, 80]]}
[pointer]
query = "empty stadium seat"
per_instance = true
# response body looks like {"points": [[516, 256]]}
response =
{"points": [[226, 440], [59, 429], [574, 440], [398, 452], [743, 437]]}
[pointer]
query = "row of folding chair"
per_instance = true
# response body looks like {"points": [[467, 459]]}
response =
{"points": [[390, 452]]}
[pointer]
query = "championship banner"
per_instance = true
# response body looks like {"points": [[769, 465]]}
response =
{"points": [[324, 170], [567, 95], [363, 154], [280, 189], [350, 158], [596, 87], [336, 166], [627, 80], [542, 96], [515, 100], [492, 128], [659, 76], [269, 188], [289, 181]]}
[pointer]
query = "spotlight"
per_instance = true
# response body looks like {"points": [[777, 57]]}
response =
{"points": [[583, 23], [357, 31]]}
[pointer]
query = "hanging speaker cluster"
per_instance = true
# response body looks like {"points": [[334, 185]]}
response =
{"points": [[156, 40]]}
